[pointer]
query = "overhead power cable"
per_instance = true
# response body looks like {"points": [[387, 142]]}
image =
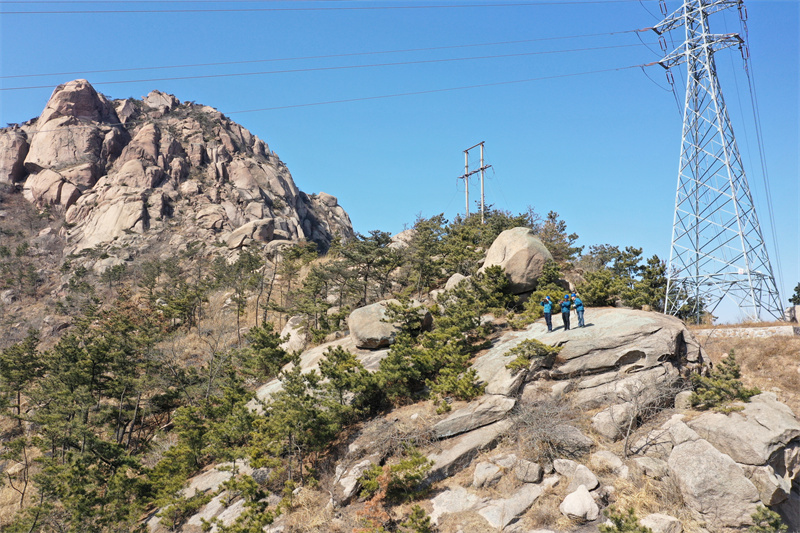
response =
{"points": [[378, 97], [117, 2], [433, 91], [343, 67], [326, 56], [337, 8]]}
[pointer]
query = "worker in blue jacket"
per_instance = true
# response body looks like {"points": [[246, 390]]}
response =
{"points": [[578, 303], [548, 312], [565, 307]]}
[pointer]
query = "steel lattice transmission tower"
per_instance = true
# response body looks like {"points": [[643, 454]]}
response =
{"points": [[718, 250]]}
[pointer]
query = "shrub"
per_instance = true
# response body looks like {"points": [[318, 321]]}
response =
{"points": [[721, 386], [532, 351], [766, 521], [401, 481], [623, 522], [417, 522], [370, 482]]}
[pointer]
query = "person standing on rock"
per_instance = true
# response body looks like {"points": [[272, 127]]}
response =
{"points": [[565, 308], [578, 303], [548, 313]]}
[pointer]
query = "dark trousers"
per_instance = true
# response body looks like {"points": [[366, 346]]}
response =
{"points": [[549, 321], [565, 316]]}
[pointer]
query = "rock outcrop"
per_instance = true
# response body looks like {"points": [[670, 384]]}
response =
{"points": [[725, 465], [125, 168]]}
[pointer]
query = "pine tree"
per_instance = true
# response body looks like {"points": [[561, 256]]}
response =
{"points": [[795, 299], [20, 365], [721, 386], [553, 233]]}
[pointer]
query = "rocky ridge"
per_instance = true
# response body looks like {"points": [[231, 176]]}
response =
{"points": [[124, 171], [721, 466]]}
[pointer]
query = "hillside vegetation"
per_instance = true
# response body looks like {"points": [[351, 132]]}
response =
{"points": [[131, 368]]}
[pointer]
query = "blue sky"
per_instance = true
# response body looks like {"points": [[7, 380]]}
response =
{"points": [[600, 149]]}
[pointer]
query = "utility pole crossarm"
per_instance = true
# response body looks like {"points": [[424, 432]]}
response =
{"points": [[467, 174]]}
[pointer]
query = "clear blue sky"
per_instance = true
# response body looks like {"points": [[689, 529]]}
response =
{"points": [[600, 149]]}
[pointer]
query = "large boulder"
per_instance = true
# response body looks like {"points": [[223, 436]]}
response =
{"points": [[402, 239], [501, 512], [481, 412], [371, 329], [459, 452], [310, 359], [618, 338], [620, 356], [763, 438], [753, 435], [295, 334], [257, 230], [713, 486], [369, 326], [13, 149], [521, 254]]}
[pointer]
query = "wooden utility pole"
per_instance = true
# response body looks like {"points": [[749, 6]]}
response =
{"points": [[467, 174]]}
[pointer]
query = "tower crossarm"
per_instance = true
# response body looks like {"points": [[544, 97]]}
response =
{"points": [[691, 9], [714, 43]]}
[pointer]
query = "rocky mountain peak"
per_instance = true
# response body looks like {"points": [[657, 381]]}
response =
{"points": [[78, 100], [126, 170]]}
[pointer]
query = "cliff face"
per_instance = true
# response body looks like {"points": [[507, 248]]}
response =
{"points": [[126, 170]]}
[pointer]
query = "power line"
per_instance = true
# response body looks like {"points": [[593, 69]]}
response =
{"points": [[432, 91], [117, 2], [342, 67], [340, 8], [326, 56], [378, 97]]}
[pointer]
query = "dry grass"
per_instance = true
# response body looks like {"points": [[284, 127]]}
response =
{"points": [[646, 496], [466, 522], [743, 324], [771, 364], [310, 512], [9, 505]]}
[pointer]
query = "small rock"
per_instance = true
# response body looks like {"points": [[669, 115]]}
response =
{"points": [[661, 523], [652, 467], [505, 461], [579, 505], [682, 400], [605, 460], [565, 467], [486, 474], [500, 513], [570, 440], [454, 280], [583, 476], [528, 472], [8, 296], [452, 501]]}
